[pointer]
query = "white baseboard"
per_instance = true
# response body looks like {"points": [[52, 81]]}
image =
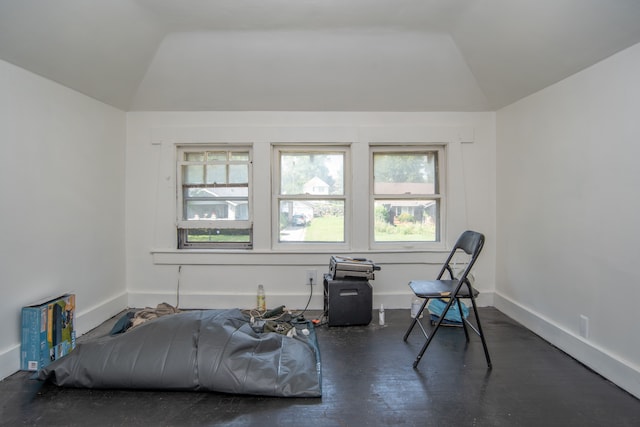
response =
{"points": [[392, 300], [84, 322], [91, 317], [9, 361], [226, 300], [598, 359]]}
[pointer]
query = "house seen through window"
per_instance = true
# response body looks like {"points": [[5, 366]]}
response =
{"points": [[407, 196], [310, 195], [214, 209]]}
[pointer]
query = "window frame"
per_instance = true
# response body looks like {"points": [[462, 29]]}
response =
{"points": [[183, 225], [276, 195], [439, 194]]}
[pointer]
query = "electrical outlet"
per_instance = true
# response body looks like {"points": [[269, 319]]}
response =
{"points": [[311, 277]]}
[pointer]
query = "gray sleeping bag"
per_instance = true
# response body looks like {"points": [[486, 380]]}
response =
{"points": [[208, 350]]}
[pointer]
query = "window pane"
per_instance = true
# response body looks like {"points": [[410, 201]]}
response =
{"points": [[221, 203], [312, 173], [193, 174], [216, 174], [241, 192], [238, 174], [405, 220], [311, 221], [218, 156], [214, 186], [219, 235], [239, 156], [404, 173], [194, 157]]}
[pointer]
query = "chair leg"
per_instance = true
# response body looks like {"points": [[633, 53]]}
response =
{"points": [[433, 332], [464, 324], [415, 319], [439, 323], [484, 343]]}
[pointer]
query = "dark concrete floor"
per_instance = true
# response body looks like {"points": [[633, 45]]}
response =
{"points": [[368, 380]]}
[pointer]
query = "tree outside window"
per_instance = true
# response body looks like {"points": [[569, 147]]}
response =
{"points": [[406, 194]]}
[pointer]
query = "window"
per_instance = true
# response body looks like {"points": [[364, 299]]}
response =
{"points": [[406, 194], [214, 208], [310, 195]]}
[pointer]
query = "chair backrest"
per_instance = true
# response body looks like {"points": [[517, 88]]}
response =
{"points": [[471, 242]]}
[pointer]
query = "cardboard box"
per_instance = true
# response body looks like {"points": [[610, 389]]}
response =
{"points": [[48, 331]]}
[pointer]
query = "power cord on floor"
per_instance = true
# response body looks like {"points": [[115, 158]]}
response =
{"points": [[273, 314], [281, 314], [178, 287], [300, 315]]}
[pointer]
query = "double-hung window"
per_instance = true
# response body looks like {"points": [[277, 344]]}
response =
{"points": [[406, 195], [214, 200], [310, 195]]}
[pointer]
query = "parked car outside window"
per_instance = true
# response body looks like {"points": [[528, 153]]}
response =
{"points": [[299, 220]]}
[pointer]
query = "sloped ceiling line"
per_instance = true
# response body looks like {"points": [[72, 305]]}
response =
{"points": [[312, 55]]}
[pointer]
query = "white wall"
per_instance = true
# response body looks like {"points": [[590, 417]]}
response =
{"points": [[213, 279], [62, 211], [564, 168], [568, 211]]}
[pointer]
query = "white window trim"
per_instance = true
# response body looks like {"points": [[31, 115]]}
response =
{"points": [[165, 138], [441, 172], [182, 224], [276, 149]]}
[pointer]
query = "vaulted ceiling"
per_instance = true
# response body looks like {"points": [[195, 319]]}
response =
{"points": [[312, 55]]}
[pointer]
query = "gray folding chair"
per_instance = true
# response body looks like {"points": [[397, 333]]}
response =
{"points": [[453, 289]]}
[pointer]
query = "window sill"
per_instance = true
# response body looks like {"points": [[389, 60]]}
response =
{"points": [[278, 258]]}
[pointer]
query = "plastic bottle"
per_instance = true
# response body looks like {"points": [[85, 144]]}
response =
{"points": [[262, 303], [381, 315]]}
